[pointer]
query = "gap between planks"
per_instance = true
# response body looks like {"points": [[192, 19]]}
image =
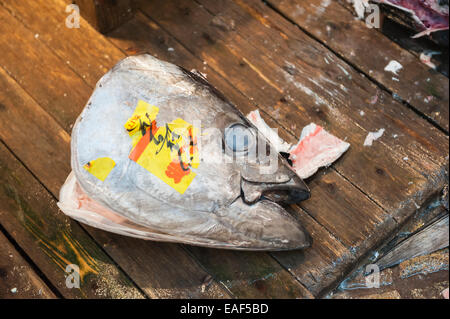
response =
{"points": [[369, 197], [24, 255], [166, 29], [436, 123], [192, 52], [52, 194], [23, 260], [304, 209]]}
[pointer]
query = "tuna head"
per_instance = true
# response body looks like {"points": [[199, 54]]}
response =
{"points": [[162, 149]]}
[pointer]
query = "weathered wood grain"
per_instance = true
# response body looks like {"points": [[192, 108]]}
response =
{"points": [[402, 35], [18, 280], [416, 46], [423, 216], [21, 53], [162, 270], [393, 161], [44, 147], [392, 15], [281, 278], [370, 51], [215, 40], [425, 241], [247, 79], [257, 24], [323, 265], [147, 36], [237, 66], [106, 15], [90, 59], [29, 213]]}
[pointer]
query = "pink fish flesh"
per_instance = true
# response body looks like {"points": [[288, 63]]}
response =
{"points": [[430, 15], [316, 148]]}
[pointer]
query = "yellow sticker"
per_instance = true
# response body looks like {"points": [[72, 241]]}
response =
{"points": [[100, 167], [168, 152]]}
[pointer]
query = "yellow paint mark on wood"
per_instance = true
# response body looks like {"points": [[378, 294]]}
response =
{"points": [[63, 134], [262, 75], [258, 16]]}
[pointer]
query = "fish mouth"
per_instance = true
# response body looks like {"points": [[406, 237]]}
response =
{"points": [[268, 226], [292, 191], [268, 198]]}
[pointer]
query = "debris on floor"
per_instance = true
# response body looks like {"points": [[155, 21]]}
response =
{"points": [[393, 67], [430, 282], [445, 293], [255, 118], [426, 16], [373, 136], [316, 147]]}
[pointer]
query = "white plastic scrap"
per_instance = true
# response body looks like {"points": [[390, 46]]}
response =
{"points": [[360, 7], [393, 66], [425, 58], [373, 136], [255, 118]]}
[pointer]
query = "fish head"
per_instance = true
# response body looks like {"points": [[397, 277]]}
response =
{"points": [[183, 162]]}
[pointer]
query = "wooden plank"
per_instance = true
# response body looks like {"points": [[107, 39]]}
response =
{"points": [[370, 51], [18, 280], [321, 267], [425, 241], [327, 252], [245, 274], [269, 23], [398, 18], [165, 265], [29, 213], [425, 215], [106, 15], [20, 51], [175, 52], [161, 270], [402, 35], [50, 147], [234, 59], [91, 59], [250, 274], [404, 155]]}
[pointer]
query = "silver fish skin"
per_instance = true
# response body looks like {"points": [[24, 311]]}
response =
{"points": [[229, 203]]}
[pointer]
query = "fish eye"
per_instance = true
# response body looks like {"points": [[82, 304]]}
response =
{"points": [[238, 137]]}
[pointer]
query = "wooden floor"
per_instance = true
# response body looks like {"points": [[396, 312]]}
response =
{"points": [[297, 61]]}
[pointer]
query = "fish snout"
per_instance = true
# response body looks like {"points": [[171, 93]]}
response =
{"points": [[265, 225]]}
